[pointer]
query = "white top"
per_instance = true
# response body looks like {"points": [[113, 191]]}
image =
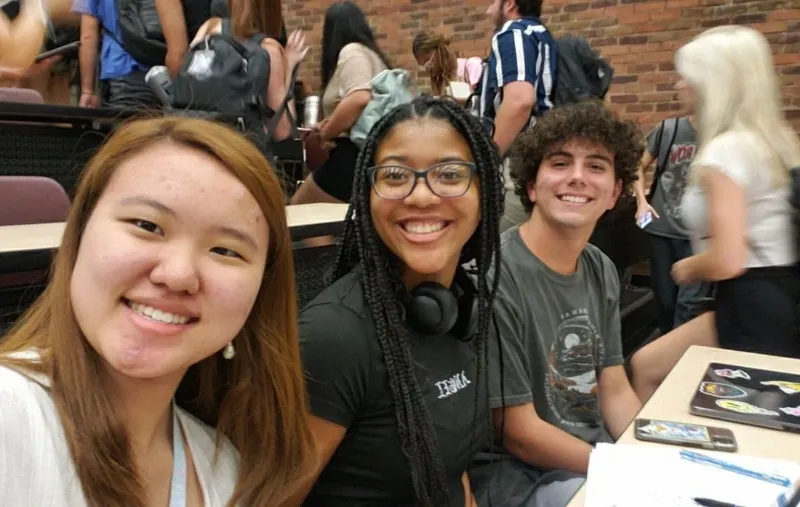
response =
{"points": [[769, 213], [36, 466]]}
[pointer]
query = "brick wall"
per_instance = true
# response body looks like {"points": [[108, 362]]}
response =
{"points": [[638, 37]]}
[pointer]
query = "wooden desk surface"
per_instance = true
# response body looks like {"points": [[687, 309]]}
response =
{"points": [[23, 238], [671, 402]]}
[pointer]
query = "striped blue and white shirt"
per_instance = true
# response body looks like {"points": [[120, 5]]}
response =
{"points": [[522, 50]]}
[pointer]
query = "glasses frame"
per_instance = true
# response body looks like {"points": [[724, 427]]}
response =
{"points": [[421, 175]]}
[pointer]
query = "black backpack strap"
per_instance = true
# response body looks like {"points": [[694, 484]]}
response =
{"points": [[272, 122], [227, 27], [662, 155]]}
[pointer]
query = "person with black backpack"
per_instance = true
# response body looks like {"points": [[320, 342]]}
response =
{"points": [[121, 76], [517, 83], [672, 144], [236, 68]]}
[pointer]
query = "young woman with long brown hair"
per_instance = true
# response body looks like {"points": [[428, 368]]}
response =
{"points": [[250, 19], [175, 271], [433, 52]]}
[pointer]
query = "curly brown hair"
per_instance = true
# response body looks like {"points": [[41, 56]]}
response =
{"points": [[590, 121]]}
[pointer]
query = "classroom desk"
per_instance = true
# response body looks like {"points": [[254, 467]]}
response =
{"points": [[671, 402], [28, 245]]}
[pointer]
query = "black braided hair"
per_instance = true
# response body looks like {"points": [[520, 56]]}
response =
{"points": [[381, 277]]}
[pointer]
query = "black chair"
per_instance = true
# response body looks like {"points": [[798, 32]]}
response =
{"points": [[618, 236], [313, 271]]}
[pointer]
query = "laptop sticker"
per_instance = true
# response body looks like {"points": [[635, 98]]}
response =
{"points": [[795, 411], [720, 390], [677, 431], [728, 373], [787, 387], [744, 408]]}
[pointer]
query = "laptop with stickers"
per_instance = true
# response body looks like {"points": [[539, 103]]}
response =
{"points": [[745, 395]]}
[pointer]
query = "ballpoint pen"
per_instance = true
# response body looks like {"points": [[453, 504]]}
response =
{"points": [[704, 459]]}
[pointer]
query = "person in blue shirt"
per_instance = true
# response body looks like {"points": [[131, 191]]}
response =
{"points": [[122, 77], [518, 80]]}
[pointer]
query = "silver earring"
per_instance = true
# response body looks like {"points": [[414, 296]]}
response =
{"points": [[228, 352]]}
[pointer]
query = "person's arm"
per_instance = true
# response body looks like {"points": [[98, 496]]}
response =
{"points": [[539, 443], [648, 157], [87, 59], [638, 185], [277, 88], [336, 360], [327, 437], [525, 435], [618, 401], [515, 55], [469, 498], [727, 251], [295, 52], [354, 70], [173, 25]]}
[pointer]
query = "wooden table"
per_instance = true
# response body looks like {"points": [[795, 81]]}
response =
{"points": [[24, 247], [671, 402]]}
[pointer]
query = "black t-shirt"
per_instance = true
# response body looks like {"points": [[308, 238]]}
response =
{"points": [[348, 385]]}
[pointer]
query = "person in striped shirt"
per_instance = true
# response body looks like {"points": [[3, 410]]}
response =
{"points": [[517, 84]]}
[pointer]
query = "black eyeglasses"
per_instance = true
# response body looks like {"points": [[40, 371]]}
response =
{"points": [[448, 179]]}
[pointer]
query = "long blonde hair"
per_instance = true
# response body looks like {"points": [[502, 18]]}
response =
{"points": [[731, 72], [257, 399]]}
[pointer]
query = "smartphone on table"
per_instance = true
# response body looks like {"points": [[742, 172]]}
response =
{"points": [[692, 435]]}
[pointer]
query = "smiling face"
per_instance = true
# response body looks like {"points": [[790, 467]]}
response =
{"points": [[170, 263], [575, 185], [425, 231]]}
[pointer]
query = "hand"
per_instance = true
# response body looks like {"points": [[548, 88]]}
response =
{"points": [[296, 49], [644, 208], [174, 62], [682, 272], [89, 100], [317, 129]]}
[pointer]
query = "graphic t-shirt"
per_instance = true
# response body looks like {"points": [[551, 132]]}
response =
{"points": [[674, 180], [348, 385], [557, 333]]}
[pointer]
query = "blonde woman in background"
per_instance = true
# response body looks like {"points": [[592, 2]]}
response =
{"points": [[22, 39], [736, 205]]}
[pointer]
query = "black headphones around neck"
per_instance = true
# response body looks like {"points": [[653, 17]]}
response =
{"points": [[433, 309]]}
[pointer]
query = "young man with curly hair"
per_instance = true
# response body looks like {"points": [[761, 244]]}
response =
{"points": [[559, 386]]}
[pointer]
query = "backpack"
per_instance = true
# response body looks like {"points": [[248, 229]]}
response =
{"points": [[389, 89], [141, 32], [663, 152], [229, 78], [581, 73]]}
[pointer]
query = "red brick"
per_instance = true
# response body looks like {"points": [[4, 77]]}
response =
{"points": [[639, 38]]}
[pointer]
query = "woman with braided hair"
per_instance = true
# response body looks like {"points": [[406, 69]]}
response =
{"points": [[432, 51], [395, 349]]}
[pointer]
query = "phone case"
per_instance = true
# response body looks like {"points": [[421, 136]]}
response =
{"points": [[692, 435]]}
